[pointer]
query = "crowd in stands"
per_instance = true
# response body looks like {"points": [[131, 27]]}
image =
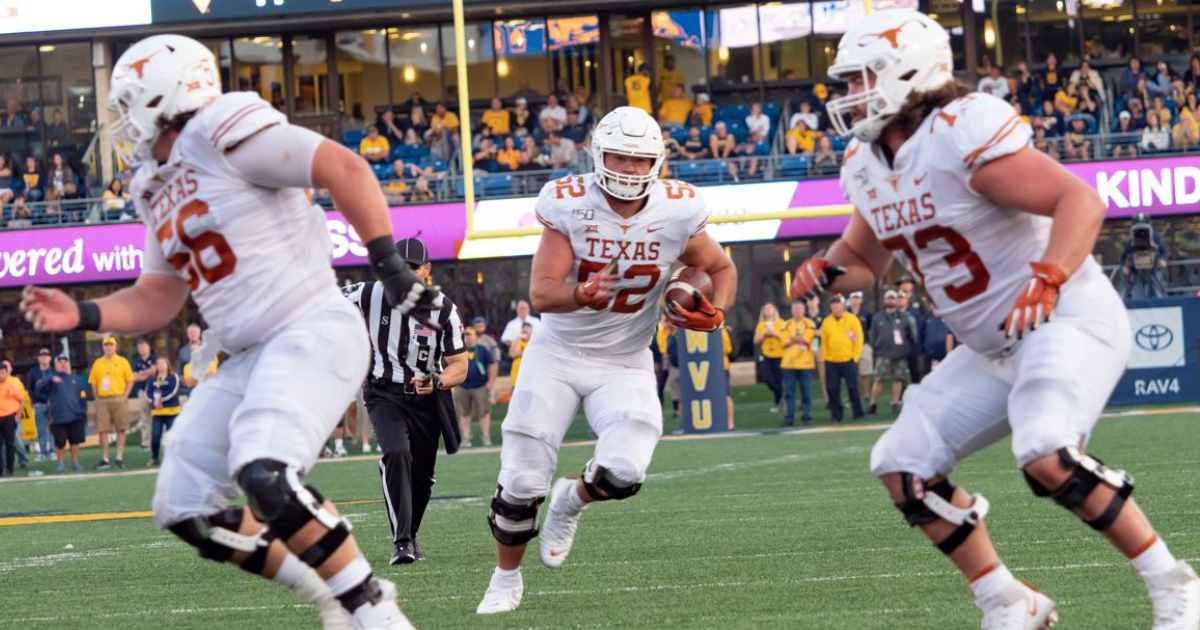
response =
{"points": [[1153, 110], [36, 182]]}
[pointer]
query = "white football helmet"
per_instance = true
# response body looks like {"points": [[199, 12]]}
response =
{"points": [[627, 131], [156, 79], [906, 51]]}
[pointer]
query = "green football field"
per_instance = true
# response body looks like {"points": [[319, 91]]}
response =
{"points": [[760, 530]]}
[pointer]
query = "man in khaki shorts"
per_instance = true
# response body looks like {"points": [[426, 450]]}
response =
{"points": [[111, 379], [474, 395]]}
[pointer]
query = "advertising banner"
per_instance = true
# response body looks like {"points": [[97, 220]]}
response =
{"points": [[1163, 366], [702, 383]]}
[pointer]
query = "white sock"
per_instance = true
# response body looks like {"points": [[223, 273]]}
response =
{"points": [[291, 571], [350, 576], [1155, 560], [339, 444], [506, 580], [991, 582], [573, 504]]}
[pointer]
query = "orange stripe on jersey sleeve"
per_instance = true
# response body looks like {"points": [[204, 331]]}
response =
{"points": [[233, 120], [543, 221], [700, 228], [1003, 132]]}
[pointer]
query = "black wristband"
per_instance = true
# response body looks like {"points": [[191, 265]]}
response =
{"points": [[379, 250], [89, 316]]}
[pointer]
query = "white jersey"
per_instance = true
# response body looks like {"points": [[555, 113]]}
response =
{"points": [[256, 258], [971, 254], [645, 247]]}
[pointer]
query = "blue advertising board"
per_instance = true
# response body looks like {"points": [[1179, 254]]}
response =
{"points": [[1163, 366]]}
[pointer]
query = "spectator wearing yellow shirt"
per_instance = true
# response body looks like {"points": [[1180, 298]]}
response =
{"points": [[374, 147], [769, 333], [727, 350], [675, 109], [798, 365], [111, 379], [1187, 130], [670, 77], [421, 193], [498, 118], [637, 89], [1067, 101], [841, 343], [801, 139], [444, 118], [190, 382], [12, 401], [517, 350], [24, 420], [509, 157], [702, 112]]}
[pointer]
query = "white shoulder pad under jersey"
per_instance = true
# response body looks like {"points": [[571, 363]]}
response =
{"points": [[645, 246], [984, 128], [236, 116]]}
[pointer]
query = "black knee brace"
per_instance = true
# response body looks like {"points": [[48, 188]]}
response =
{"points": [[216, 537], [600, 487], [276, 497], [1087, 472], [936, 505], [513, 524]]}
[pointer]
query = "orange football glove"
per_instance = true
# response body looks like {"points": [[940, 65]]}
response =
{"points": [[1036, 303], [813, 276], [598, 289], [706, 317]]}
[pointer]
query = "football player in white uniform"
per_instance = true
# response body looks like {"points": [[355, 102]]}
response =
{"points": [[609, 241], [219, 188], [946, 181]]}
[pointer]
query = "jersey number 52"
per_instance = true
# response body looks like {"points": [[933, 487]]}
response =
{"points": [[621, 302], [191, 263]]}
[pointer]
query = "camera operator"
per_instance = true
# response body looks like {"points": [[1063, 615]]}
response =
{"points": [[1143, 260]]}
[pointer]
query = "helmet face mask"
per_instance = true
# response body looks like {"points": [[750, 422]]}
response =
{"points": [[895, 53], [631, 132]]}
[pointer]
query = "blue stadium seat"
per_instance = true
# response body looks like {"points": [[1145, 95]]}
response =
{"points": [[409, 153], [438, 165], [838, 142], [559, 173], [762, 147], [382, 171], [498, 185], [701, 171], [351, 137], [793, 166], [733, 112]]}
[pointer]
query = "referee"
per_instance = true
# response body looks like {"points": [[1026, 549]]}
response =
{"points": [[413, 368]]}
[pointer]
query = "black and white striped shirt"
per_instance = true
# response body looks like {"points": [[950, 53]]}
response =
{"points": [[401, 347]]}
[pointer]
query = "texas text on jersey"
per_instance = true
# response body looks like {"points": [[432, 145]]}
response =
{"points": [[644, 247], [971, 254], [226, 236]]}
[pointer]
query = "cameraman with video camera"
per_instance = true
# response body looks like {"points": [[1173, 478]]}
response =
{"points": [[1143, 260]]}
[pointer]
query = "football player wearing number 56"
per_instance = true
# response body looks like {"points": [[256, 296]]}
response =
{"points": [[218, 185], [1001, 236], [609, 241]]}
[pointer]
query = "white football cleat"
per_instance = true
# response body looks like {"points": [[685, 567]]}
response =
{"points": [[1176, 598], [1018, 607], [384, 614], [558, 528], [497, 600]]}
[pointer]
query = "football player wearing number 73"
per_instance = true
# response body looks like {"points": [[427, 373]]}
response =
{"points": [[219, 187], [609, 240], [1001, 236]]}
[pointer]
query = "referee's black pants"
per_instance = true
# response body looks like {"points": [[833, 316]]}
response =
{"points": [[408, 430]]}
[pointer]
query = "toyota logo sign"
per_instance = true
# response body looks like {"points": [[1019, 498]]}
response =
{"points": [[1154, 337]]}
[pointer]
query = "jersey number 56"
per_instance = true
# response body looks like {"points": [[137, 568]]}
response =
{"points": [[191, 263]]}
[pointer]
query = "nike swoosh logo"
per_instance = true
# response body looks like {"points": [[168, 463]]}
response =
{"points": [[651, 230], [1033, 613], [920, 179], [555, 554]]}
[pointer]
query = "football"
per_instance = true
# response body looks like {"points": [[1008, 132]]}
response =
{"points": [[684, 283]]}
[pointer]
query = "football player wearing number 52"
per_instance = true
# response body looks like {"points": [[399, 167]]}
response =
{"points": [[609, 241], [1001, 236], [218, 185]]}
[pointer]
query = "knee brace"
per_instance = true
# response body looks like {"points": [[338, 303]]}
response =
{"points": [[600, 484], [1087, 472], [936, 505], [276, 496], [216, 537], [513, 521]]}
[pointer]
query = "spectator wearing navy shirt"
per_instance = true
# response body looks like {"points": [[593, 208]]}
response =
{"points": [[474, 394], [41, 416], [67, 410], [143, 371], [575, 130], [163, 393]]}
